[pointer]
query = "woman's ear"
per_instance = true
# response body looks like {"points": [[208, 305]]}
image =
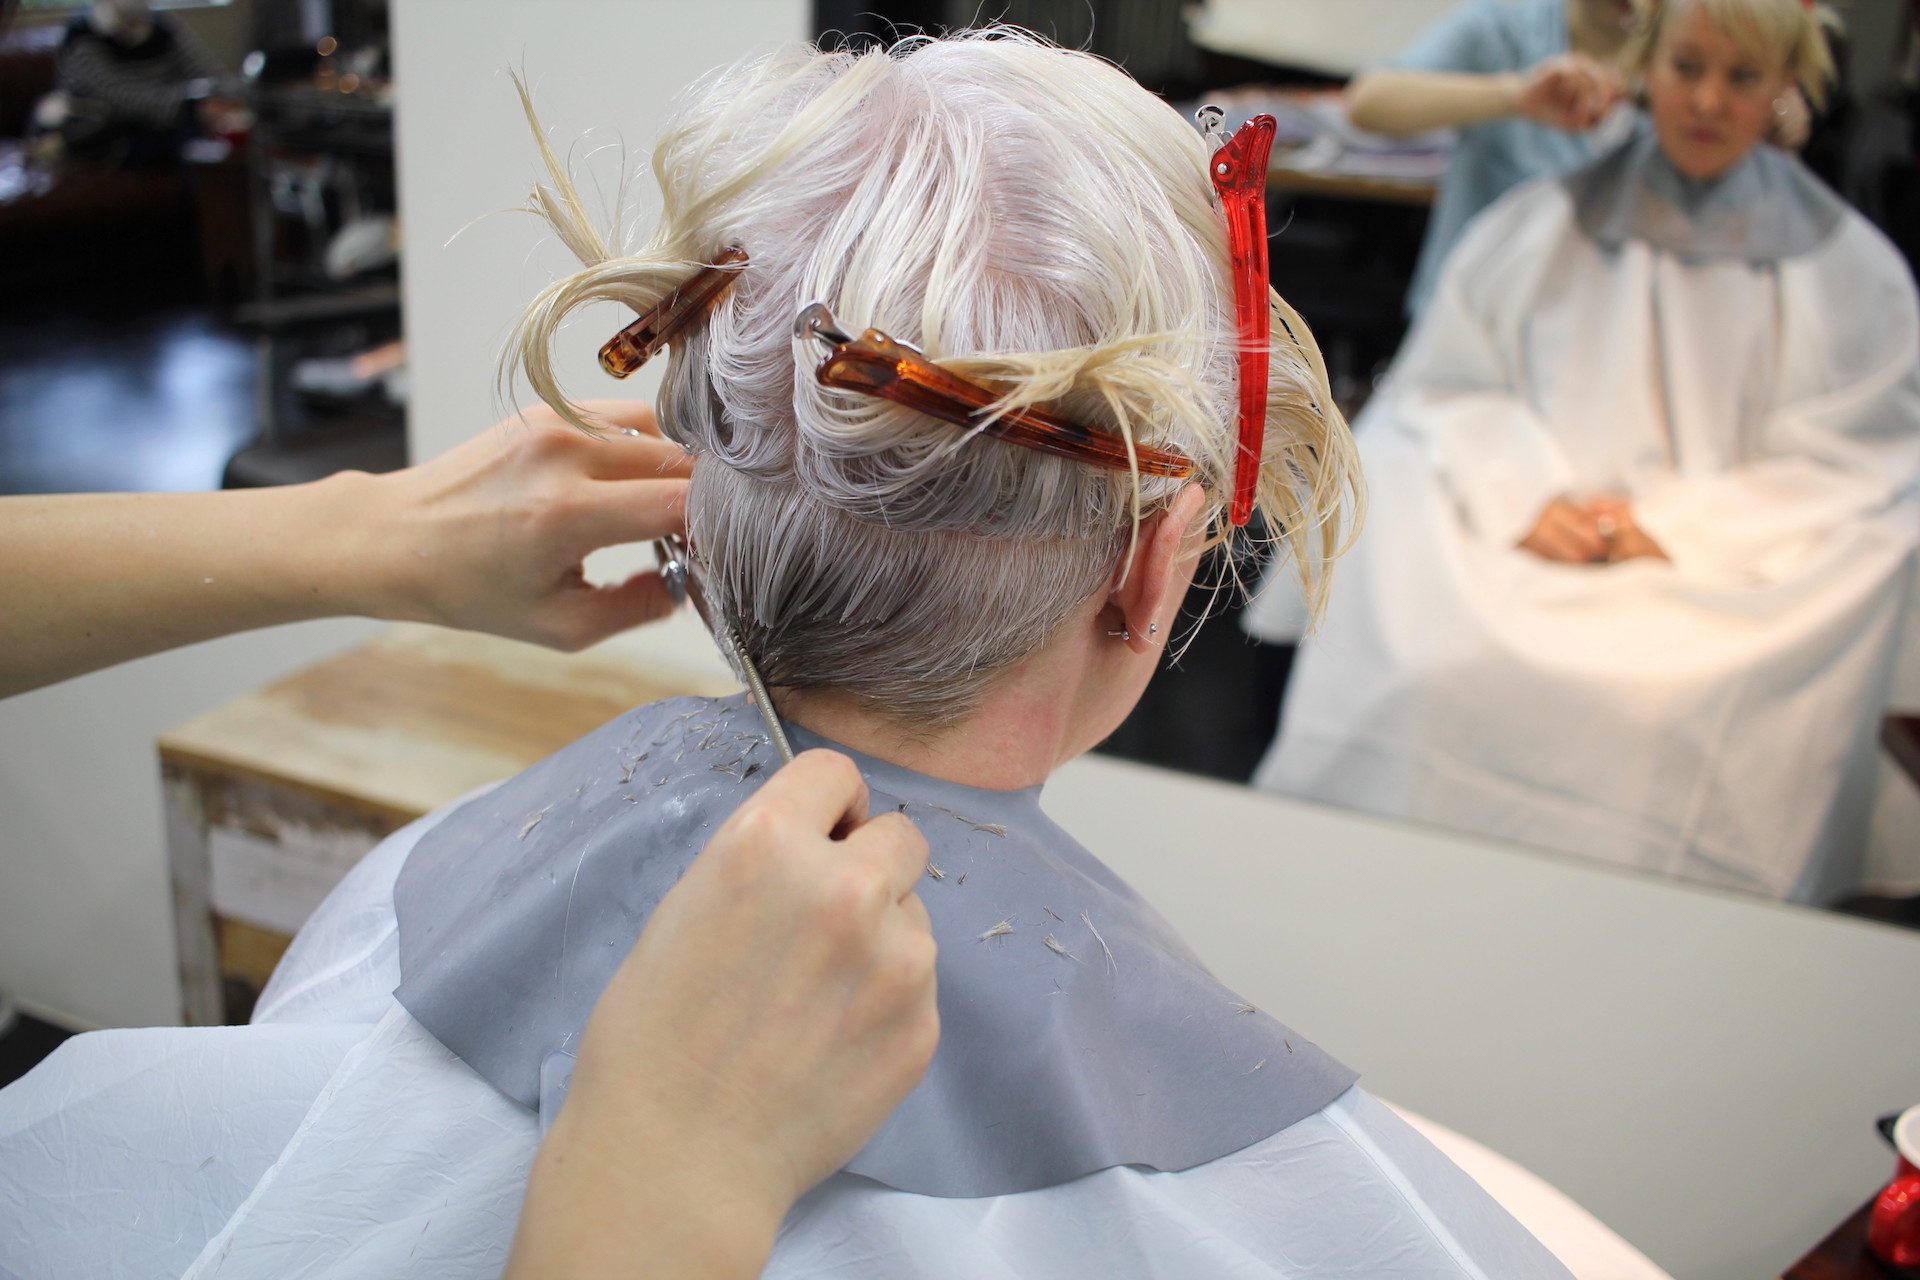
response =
{"points": [[1165, 556]]}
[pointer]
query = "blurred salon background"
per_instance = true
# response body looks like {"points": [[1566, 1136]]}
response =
{"points": [[198, 265]]}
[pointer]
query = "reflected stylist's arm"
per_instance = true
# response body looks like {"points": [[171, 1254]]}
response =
{"points": [[1570, 91], [777, 1008]]}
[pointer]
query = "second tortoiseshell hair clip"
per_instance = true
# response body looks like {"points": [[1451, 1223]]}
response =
{"points": [[659, 325]]}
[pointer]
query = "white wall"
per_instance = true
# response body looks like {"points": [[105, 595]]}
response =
{"points": [[86, 921]]}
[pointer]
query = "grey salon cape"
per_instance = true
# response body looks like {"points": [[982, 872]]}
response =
{"points": [[1078, 1032]]}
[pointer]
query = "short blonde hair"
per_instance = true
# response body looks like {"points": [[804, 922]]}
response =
{"points": [[1030, 217], [1788, 34]]}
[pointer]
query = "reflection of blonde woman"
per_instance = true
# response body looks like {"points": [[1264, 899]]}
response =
{"points": [[1643, 500]]}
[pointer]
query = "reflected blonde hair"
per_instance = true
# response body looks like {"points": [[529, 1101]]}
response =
{"points": [[1029, 217], [1785, 34]]}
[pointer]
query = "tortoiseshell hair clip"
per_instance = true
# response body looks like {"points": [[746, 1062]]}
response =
{"points": [[875, 365], [658, 326]]}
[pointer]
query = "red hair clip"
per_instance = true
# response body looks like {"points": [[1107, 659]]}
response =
{"points": [[1239, 173]]}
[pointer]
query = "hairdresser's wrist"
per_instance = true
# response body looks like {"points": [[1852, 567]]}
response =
{"points": [[345, 548], [615, 1195], [1507, 94]]}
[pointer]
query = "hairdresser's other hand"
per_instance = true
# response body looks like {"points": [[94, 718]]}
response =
{"points": [[1566, 532], [777, 1008], [1571, 91], [490, 536], [1626, 540]]}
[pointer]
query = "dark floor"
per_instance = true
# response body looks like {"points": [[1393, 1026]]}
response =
{"points": [[155, 400], [24, 1043]]}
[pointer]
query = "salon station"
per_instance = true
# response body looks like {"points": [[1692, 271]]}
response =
{"points": [[1548, 762]]}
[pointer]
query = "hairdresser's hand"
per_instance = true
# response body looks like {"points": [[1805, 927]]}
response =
{"points": [[1626, 540], [1572, 92], [778, 1007], [1567, 532], [490, 536]]}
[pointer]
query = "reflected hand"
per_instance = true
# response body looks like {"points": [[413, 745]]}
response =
{"points": [[1568, 533], [1626, 540], [490, 536], [1572, 92], [777, 1008]]}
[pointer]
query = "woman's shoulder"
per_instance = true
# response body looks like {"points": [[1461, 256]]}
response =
{"points": [[1856, 241]]}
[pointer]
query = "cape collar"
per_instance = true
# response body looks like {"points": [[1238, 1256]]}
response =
{"points": [[1766, 208]]}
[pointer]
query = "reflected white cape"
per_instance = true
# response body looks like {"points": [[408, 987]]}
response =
{"points": [[1712, 717]]}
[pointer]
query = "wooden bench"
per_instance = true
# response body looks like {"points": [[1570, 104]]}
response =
{"points": [[273, 797]]}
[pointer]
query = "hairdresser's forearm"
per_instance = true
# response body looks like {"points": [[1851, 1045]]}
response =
{"points": [[1408, 102], [624, 1204], [90, 580]]}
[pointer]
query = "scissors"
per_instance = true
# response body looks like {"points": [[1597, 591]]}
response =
{"points": [[676, 570]]}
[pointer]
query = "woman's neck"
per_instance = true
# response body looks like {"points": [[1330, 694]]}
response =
{"points": [[1006, 744], [1056, 704]]}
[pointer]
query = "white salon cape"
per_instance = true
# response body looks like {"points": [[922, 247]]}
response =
{"points": [[1742, 361], [335, 1137]]}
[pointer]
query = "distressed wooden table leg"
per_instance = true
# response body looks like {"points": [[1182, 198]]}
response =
{"points": [[190, 869]]}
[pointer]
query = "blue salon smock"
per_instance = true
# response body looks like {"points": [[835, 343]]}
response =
{"points": [[1494, 37]]}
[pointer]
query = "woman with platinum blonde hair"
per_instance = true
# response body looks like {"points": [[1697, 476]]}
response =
{"points": [[1646, 503], [962, 600]]}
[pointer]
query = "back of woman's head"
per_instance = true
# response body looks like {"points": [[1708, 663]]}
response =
{"points": [[1028, 217]]}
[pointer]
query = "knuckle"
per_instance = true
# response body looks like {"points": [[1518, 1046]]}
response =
{"points": [[834, 767], [759, 827], [850, 895], [900, 836]]}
